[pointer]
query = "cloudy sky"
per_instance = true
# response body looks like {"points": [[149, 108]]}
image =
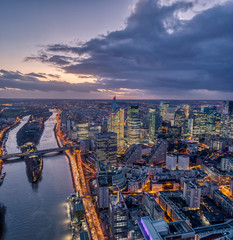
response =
{"points": [[144, 49]]}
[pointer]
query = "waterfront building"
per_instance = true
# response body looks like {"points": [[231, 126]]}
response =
{"points": [[106, 147], [103, 192], [133, 125], [171, 161], [192, 194], [116, 123], [183, 162], [118, 216], [161, 230]]}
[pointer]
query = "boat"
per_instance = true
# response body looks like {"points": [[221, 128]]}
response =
{"points": [[33, 162]]}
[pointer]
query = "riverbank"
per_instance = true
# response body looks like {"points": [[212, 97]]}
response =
{"points": [[43, 207], [4, 132]]}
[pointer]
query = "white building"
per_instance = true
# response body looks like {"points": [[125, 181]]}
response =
{"points": [[192, 194], [183, 162], [171, 161]]}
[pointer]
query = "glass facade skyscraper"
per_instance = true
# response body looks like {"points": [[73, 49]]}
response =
{"points": [[133, 125]]}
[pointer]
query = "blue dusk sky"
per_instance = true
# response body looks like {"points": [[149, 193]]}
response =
{"points": [[94, 49]]}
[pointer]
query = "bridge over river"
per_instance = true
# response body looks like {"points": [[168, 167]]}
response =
{"points": [[15, 157]]}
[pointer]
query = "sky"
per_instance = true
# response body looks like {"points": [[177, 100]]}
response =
{"points": [[134, 49]]}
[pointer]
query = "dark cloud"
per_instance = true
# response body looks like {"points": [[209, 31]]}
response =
{"points": [[18, 80], [54, 59], [157, 52]]}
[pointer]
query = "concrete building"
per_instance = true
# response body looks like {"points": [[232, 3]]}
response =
{"points": [[158, 154], [152, 207], [159, 230], [171, 161], [225, 202], [116, 123], [183, 162], [192, 194], [106, 147], [118, 217], [231, 187], [133, 154], [133, 125], [103, 192], [171, 209], [227, 164]]}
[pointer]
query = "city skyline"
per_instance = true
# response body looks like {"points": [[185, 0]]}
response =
{"points": [[135, 49]]}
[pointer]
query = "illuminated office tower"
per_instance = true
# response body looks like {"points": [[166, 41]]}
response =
{"points": [[192, 194], [179, 118], [186, 110], [81, 127], [118, 217], [163, 110], [152, 121], [106, 147], [217, 124], [225, 125], [183, 162], [116, 123], [170, 114], [211, 112], [133, 125], [171, 161], [199, 124], [187, 130]]}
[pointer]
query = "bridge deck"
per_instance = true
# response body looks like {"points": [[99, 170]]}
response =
{"points": [[38, 152]]}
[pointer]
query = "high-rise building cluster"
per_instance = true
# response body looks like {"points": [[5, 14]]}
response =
{"points": [[163, 170]]}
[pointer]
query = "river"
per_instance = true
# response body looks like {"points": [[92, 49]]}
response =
{"points": [[37, 211]]}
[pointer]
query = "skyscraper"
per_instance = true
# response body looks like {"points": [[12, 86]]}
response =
{"points": [[179, 118], [116, 123], [152, 120], [199, 124], [186, 110], [118, 216], [163, 110], [106, 147], [133, 125]]}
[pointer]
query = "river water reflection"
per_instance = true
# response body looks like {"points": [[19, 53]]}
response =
{"points": [[37, 211]]}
